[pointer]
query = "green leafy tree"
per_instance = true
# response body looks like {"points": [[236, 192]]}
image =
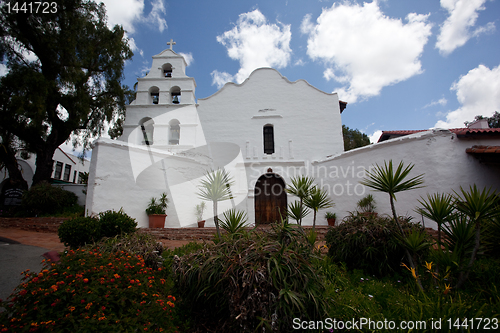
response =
{"points": [[300, 186], [9, 146], [353, 138], [216, 187], [64, 73], [493, 121]]}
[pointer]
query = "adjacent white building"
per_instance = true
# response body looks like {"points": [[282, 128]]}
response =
{"points": [[68, 171]]}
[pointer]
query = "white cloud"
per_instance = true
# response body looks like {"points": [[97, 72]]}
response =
{"points": [[364, 49], [155, 18], [220, 78], [188, 57], [124, 12], [455, 31], [375, 136], [130, 12], [442, 101], [478, 93], [299, 62], [255, 43]]}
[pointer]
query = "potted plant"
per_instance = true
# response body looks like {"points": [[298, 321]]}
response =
{"points": [[156, 211], [330, 217], [367, 206], [199, 214]]}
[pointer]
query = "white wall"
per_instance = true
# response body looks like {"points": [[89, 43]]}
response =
{"points": [[439, 155]]}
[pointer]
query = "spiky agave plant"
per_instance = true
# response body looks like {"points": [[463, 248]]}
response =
{"points": [[234, 221]]}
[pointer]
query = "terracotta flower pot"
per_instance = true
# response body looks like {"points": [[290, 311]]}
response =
{"points": [[201, 224], [157, 220], [331, 222]]}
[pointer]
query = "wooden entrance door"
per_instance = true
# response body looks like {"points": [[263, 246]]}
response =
{"points": [[270, 199]]}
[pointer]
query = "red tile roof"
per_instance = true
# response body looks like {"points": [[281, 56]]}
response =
{"points": [[483, 150], [386, 135]]}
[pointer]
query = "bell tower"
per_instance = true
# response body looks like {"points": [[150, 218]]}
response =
{"points": [[166, 83], [163, 114]]}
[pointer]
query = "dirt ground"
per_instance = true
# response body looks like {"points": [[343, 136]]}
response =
{"points": [[51, 241]]}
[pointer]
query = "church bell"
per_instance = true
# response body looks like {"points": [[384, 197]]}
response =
{"points": [[175, 100]]}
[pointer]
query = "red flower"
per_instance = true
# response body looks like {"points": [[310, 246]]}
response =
{"points": [[85, 280]]}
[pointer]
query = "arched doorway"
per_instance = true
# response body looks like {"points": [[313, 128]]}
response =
{"points": [[270, 198]]}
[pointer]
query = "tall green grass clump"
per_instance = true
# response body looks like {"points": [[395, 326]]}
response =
{"points": [[370, 243], [255, 281]]}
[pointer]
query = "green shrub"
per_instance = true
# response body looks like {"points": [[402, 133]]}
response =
{"points": [[368, 243], [115, 223], [44, 198], [79, 231], [251, 282], [91, 291]]}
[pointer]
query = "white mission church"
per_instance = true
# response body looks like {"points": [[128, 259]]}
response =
{"points": [[263, 131]]}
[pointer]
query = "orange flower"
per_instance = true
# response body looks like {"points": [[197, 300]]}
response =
{"points": [[447, 289], [86, 280]]}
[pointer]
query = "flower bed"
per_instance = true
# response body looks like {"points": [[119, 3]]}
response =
{"points": [[91, 291]]}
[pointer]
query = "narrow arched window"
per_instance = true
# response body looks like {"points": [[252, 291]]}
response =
{"points": [[147, 129], [175, 132], [268, 139]]}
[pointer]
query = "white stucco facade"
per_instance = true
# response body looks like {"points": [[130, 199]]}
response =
{"points": [[170, 141]]}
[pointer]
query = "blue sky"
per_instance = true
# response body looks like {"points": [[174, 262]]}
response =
{"points": [[400, 64]]}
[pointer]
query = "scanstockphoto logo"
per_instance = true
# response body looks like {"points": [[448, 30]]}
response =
{"points": [[178, 170], [336, 180]]}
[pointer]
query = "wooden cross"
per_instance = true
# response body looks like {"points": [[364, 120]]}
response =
{"points": [[171, 43]]}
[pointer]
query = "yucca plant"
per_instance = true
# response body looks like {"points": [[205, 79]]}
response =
{"points": [[439, 208], [216, 187], [479, 206], [492, 237], [416, 242], [391, 181], [316, 200], [459, 234], [234, 221], [300, 186], [297, 212]]}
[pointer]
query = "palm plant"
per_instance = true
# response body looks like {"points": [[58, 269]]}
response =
{"points": [[439, 208], [216, 187], [296, 211], [386, 179], [300, 187], [316, 200], [234, 221], [479, 206]]}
